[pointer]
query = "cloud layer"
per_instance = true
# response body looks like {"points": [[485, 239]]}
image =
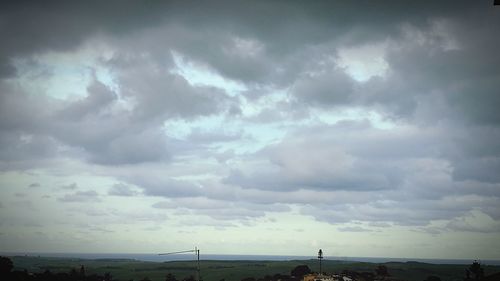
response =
{"points": [[367, 116]]}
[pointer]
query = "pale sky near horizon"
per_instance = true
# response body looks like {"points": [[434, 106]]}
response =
{"points": [[251, 127]]}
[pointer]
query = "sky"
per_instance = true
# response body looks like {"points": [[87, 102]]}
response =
{"points": [[364, 128]]}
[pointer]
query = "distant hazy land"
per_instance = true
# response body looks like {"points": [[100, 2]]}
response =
{"points": [[186, 257], [215, 267]]}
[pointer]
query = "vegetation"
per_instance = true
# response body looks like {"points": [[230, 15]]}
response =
{"points": [[63, 269], [300, 271]]}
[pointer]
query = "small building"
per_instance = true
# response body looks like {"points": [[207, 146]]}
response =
{"points": [[320, 277]]}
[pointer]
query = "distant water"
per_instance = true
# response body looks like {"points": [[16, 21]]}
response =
{"points": [[182, 257]]}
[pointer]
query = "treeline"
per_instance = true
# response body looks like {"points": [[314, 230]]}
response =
{"points": [[6, 273], [474, 272]]}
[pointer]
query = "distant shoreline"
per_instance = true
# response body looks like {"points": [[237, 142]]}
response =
{"points": [[184, 257]]}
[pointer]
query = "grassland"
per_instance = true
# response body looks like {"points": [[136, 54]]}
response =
{"points": [[124, 269]]}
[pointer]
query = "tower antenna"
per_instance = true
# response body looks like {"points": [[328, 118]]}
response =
{"points": [[320, 257], [197, 253]]}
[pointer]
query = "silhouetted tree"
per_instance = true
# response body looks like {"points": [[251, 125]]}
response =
{"points": [[367, 276], [19, 276], [281, 277], [189, 278], [300, 271], [107, 276], [73, 273], [268, 278], [6, 266], [170, 277], [476, 269], [432, 278], [381, 270]]}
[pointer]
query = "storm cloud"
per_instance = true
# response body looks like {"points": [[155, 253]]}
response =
{"points": [[362, 116]]}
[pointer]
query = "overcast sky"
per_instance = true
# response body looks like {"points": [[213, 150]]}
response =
{"points": [[365, 128]]}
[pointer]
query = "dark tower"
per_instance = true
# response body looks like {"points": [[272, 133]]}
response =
{"points": [[320, 257]]}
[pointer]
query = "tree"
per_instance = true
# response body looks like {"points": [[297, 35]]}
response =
{"points": [[476, 269], [73, 273], [189, 278], [381, 270], [6, 266], [300, 271], [170, 277], [107, 276]]}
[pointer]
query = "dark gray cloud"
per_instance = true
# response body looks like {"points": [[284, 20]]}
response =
{"points": [[439, 90], [354, 229], [330, 158], [120, 189], [166, 187], [332, 87], [406, 212], [484, 169], [108, 136], [200, 32], [18, 147], [160, 94], [34, 28], [221, 209], [81, 196], [20, 111], [98, 99], [35, 128], [108, 216], [71, 186], [406, 176], [22, 117], [425, 63], [20, 194]]}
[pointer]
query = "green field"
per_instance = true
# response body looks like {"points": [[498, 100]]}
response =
{"points": [[233, 270]]}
